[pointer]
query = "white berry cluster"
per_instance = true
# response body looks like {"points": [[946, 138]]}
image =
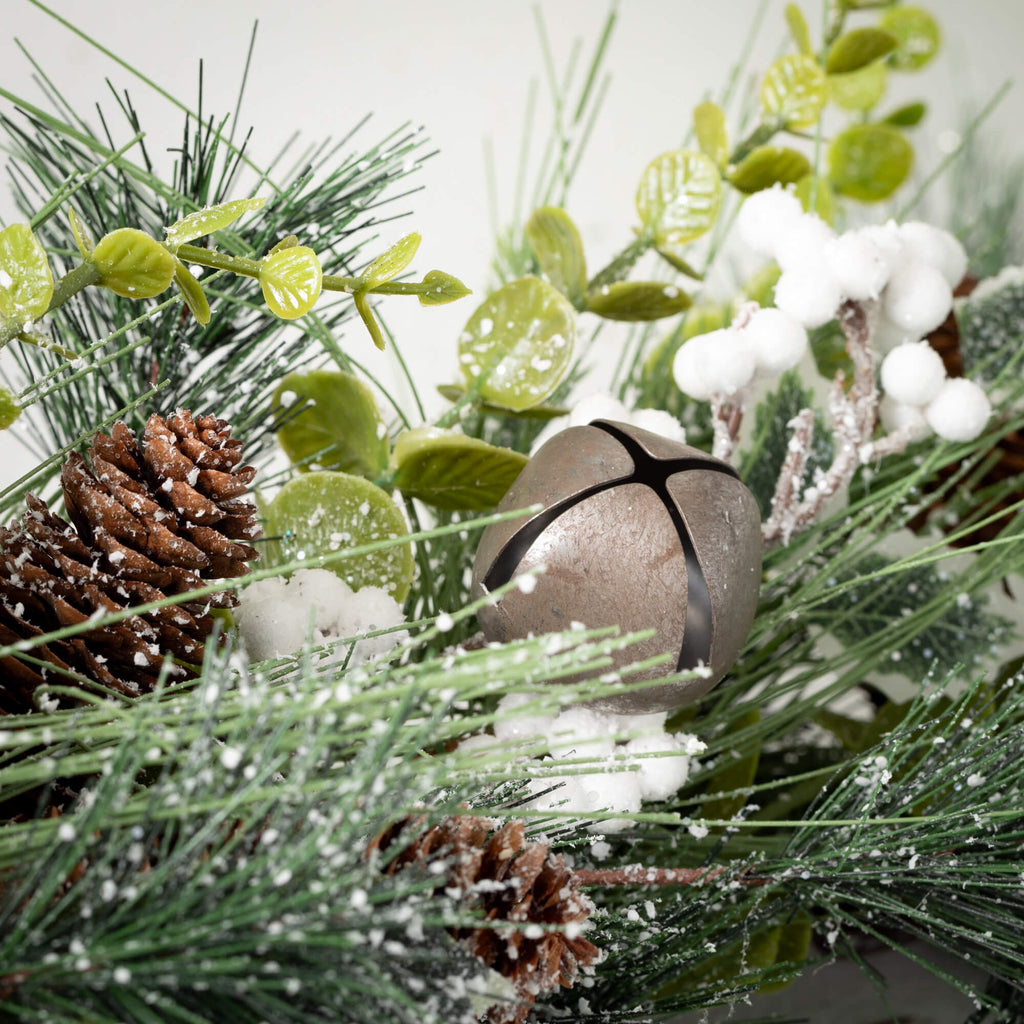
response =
{"points": [[906, 273]]}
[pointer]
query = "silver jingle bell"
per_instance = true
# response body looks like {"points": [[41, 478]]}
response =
{"points": [[636, 531]]}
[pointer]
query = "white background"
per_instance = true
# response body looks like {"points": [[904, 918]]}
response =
{"points": [[462, 69]]}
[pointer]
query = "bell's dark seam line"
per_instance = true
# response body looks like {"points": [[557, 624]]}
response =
{"points": [[654, 472]]}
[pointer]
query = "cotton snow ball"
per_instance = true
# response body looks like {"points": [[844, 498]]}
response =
{"points": [[727, 360], [615, 792], [511, 723], [888, 241], [766, 216], [959, 411], [688, 368], [907, 419], [659, 777], [809, 293], [580, 732], [599, 406], [778, 340], [803, 241], [918, 298], [276, 616], [925, 243], [859, 265], [658, 421], [913, 373], [557, 793]]}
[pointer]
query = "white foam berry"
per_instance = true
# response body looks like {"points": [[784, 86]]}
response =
{"points": [[809, 293], [803, 241], [897, 416], [959, 411], [859, 265], [765, 216], [778, 340], [918, 298], [925, 243], [887, 238], [913, 373], [728, 360], [688, 368]]}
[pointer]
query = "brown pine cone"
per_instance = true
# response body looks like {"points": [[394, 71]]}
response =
{"points": [[149, 519], [511, 879]]}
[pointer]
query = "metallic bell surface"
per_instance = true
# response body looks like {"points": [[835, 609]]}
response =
{"points": [[636, 531]]}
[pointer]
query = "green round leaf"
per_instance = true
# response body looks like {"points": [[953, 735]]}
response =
{"points": [[442, 288], [906, 116], [858, 48], [291, 280], [9, 408], [918, 35], [703, 319], [208, 220], [339, 426], [760, 286], [859, 90], [391, 263], [678, 197], [767, 166], [452, 471], [319, 514], [559, 250], [712, 135], [455, 393], [26, 284], [518, 343], [869, 161], [132, 264], [794, 91], [638, 300], [817, 197]]}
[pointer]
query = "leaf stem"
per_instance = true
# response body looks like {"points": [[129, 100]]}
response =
{"points": [[218, 260]]}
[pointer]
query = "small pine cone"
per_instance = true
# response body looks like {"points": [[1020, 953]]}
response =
{"points": [[511, 879], [149, 519]]}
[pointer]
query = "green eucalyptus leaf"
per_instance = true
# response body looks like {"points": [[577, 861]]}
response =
{"points": [[451, 471], [794, 91], [858, 48], [917, 33], [638, 300], [206, 221], [517, 345], [906, 116], [816, 196], [712, 134], [859, 90], [559, 250], [391, 263], [798, 29], [760, 286], [869, 162], [320, 514], [674, 260], [132, 264], [678, 197], [83, 237], [767, 166], [9, 408], [26, 283], [455, 393], [442, 288], [337, 424], [192, 292], [291, 280]]}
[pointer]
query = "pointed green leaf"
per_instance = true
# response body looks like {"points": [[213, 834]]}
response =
{"points": [[859, 90], [286, 243], [192, 293], [674, 260], [335, 423], [918, 35], [869, 161], [678, 197], [291, 280], [858, 48], [451, 471], [320, 514], [767, 166], [9, 408], [208, 220], [712, 134], [26, 283], [638, 300], [798, 29], [83, 237], [794, 91], [442, 288], [455, 393], [559, 250], [906, 116], [518, 343], [132, 264], [391, 263]]}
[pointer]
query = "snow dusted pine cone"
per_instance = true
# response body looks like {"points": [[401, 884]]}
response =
{"points": [[149, 519], [511, 879]]}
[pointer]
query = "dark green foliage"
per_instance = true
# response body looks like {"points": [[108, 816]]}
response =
{"points": [[991, 323]]}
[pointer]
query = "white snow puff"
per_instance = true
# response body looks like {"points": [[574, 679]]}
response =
{"points": [[959, 411], [766, 216], [913, 373], [917, 298], [277, 616]]}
